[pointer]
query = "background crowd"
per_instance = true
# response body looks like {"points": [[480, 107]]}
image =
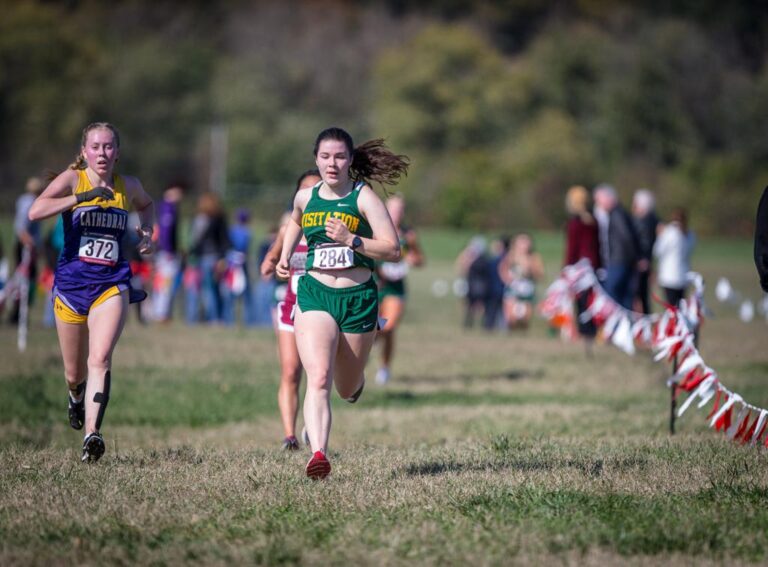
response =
{"points": [[630, 250], [204, 268], [208, 268], [209, 271]]}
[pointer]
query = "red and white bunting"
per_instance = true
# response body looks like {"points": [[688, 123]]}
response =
{"points": [[672, 336]]}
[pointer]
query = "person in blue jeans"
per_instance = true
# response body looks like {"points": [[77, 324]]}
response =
{"points": [[192, 282], [268, 291], [237, 283], [209, 245]]}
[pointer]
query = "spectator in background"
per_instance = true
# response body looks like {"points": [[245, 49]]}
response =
{"points": [[761, 241], [673, 249], [473, 266], [167, 257], [238, 280], [521, 268], [581, 241], [646, 223], [267, 293], [141, 266], [209, 244], [52, 247], [192, 282], [619, 247], [3, 268], [495, 299], [27, 235]]}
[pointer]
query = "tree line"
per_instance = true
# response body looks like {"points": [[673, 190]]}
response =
{"points": [[501, 105]]}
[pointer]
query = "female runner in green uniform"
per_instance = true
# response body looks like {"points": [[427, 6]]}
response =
{"points": [[347, 228]]}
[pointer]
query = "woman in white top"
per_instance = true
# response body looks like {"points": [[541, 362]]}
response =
{"points": [[673, 249]]}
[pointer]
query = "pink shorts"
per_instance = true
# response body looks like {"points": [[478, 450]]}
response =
{"points": [[285, 313]]}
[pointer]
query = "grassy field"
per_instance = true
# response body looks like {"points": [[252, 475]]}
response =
{"points": [[484, 449]]}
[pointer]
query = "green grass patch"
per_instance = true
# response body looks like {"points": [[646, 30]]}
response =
{"points": [[483, 449]]}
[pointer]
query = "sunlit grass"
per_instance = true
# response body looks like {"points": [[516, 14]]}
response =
{"points": [[484, 449]]}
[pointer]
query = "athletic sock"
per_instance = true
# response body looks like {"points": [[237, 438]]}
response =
{"points": [[79, 390]]}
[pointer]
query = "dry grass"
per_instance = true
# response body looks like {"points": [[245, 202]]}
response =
{"points": [[484, 449]]}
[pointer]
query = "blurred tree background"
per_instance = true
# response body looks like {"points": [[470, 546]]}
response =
{"points": [[501, 105]]}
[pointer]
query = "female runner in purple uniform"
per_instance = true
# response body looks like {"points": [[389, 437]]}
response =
{"points": [[91, 286]]}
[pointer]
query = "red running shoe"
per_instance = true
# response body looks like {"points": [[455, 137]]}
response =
{"points": [[318, 466]]}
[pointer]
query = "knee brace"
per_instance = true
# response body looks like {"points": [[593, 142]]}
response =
{"points": [[102, 398]]}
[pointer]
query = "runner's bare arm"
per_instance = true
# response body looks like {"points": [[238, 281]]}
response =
{"points": [[292, 234], [384, 245], [57, 197], [145, 207], [272, 257]]}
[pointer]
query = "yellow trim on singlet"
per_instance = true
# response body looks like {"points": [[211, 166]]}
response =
{"points": [[119, 200], [67, 315]]}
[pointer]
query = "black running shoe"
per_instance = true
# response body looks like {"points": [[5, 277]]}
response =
{"points": [[354, 397], [76, 413], [93, 448], [290, 443]]}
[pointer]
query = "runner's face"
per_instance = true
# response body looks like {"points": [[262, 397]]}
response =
{"points": [[100, 151], [333, 161]]}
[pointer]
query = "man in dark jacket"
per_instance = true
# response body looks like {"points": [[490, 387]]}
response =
{"points": [[761, 241], [619, 247], [645, 222]]}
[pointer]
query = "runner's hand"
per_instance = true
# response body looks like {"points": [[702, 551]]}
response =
{"points": [[95, 193], [282, 270], [268, 266], [145, 245], [338, 231]]}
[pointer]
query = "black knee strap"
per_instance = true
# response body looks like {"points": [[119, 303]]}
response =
{"points": [[102, 398]]}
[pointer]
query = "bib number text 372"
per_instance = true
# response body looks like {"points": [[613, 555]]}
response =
{"points": [[99, 250]]}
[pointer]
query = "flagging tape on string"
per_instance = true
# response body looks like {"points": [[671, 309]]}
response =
{"points": [[672, 336]]}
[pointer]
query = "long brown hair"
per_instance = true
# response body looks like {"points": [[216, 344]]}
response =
{"points": [[680, 216], [79, 162], [209, 204], [371, 160]]}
